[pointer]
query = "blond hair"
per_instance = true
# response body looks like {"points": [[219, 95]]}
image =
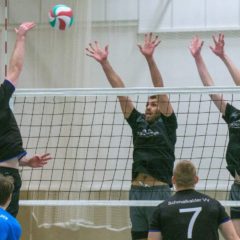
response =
{"points": [[185, 174]]}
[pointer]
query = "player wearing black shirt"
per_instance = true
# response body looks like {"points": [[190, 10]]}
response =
{"points": [[153, 145], [154, 137], [230, 114], [12, 153], [189, 214], [10, 137]]}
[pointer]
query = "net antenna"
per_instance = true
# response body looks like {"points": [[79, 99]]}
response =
{"points": [[5, 37]]}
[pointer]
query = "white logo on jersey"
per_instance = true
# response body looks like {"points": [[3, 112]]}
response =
{"points": [[148, 133], [4, 217], [205, 199], [235, 124]]}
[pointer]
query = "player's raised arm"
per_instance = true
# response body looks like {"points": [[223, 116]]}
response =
{"points": [[101, 56], [219, 50], [17, 58], [195, 49], [147, 49]]}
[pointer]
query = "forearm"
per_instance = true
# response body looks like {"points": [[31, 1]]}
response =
{"points": [[233, 70], [116, 82], [155, 73], [24, 162], [165, 106], [207, 81], [113, 78], [203, 72], [17, 59]]}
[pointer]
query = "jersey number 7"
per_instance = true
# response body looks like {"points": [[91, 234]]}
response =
{"points": [[195, 212]]}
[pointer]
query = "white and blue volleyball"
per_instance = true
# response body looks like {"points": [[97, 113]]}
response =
{"points": [[61, 17]]}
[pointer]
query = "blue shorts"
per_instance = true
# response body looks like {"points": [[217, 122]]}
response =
{"points": [[141, 216]]}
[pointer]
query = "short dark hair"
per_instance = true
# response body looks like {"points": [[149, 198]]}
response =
{"points": [[154, 97], [6, 188], [185, 173]]}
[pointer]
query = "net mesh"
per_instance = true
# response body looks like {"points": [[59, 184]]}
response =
{"points": [[92, 148]]}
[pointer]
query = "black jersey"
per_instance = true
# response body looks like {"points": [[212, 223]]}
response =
{"points": [[10, 137], [154, 145], [189, 215], [232, 118]]}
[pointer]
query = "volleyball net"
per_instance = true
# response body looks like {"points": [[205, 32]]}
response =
{"points": [[91, 144]]}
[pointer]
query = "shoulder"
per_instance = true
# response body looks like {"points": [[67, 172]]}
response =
{"points": [[4, 219], [210, 202], [6, 88], [167, 202], [8, 84], [9, 223], [6, 216], [135, 113], [172, 119], [231, 111], [203, 196], [135, 116]]}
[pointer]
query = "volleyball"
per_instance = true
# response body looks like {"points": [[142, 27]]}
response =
{"points": [[61, 17]]}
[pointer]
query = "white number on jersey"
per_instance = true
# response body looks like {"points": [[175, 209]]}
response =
{"points": [[195, 212]]}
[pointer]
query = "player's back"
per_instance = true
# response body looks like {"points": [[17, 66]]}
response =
{"points": [[189, 215]]}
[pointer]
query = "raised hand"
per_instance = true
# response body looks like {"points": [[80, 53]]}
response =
{"points": [[96, 52], [149, 45], [24, 28], [218, 49], [196, 46]]}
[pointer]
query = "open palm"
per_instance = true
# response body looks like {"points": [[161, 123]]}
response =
{"points": [[96, 52], [218, 49], [149, 45], [196, 46]]}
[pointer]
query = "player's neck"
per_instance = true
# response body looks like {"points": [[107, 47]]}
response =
{"points": [[178, 189], [3, 207]]}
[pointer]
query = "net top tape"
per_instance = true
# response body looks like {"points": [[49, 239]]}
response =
{"points": [[104, 203], [124, 91]]}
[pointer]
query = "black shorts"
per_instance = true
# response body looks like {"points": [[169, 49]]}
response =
{"points": [[14, 204], [235, 196]]}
